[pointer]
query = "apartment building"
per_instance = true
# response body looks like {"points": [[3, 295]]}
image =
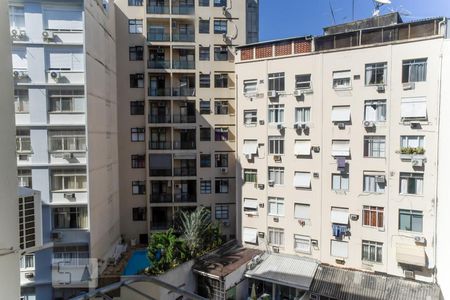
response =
{"points": [[338, 145], [177, 107], [66, 132]]}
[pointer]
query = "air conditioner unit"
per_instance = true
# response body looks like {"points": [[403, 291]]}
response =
{"points": [[301, 222], [272, 94], [415, 125], [248, 156], [368, 124], [276, 219], [380, 179], [341, 125], [409, 85], [56, 236], [354, 217], [23, 74], [261, 234], [277, 158], [280, 126], [29, 275], [409, 274], [305, 125], [381, 88], [420, 240], [16, 74], [70, 196], [14, 33], [271, 182], [316, 149], [276, 249], [417, 162], [314, 243], [316, 174], [261, 205], [250, 265], [261, 122], [22, 33], [48, 35], [298, 93], [261, 186], [55, 75], [224, 170], [297, 126], [68, 155]]}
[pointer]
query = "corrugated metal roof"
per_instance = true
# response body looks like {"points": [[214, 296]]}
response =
{"points": [[402, 289], [293, 271]]}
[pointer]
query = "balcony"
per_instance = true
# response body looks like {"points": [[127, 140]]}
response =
{"points": [[183, 36], [184, 145], [183, 9], [160, 172], [158, 9], [161, 198], [158, 64], [183, 92], [185, 197], [159, 119], [157, 92], [184, 65], [160, 145], [184, 118], [184, 171], [158, 36]]}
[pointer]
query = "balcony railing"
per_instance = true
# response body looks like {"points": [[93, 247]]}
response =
{"points": [[183, 37], [160, 172], [159, 92], [158, 37], [183, 118], [185, 197], [161, 198], [184, 145], [183, 64], [158, 64], [159, 145], [183, 10], [184, 172], [158, 9], [183, 91], [154, 119]]}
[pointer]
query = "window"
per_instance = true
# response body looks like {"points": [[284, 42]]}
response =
{"points": [[220, 3], [302, 180], [412, 141], [27, 261], [250, 87], [276, 145], [69, 180], [414, 70], [374, 146], [204, 53], [139, 213], [24, 178], [137, 108], [221, 160], [340, 148], [375, 110], [137, 161], [276, 113], [376, 73], [302, 114], [250, 206], [221, 134], [205, 134], [205, 187], [221, 80], [205, 80], [136, 53], [302, 243], [28, 232], [302, 211], [250, 117], [21, 101], [339, 249], [276, 206], [222, 186], [276, 236], [63, 19], [135, 26], [414, 108], [205, 107], [374, 184], [138, 187], [250, 148], [220, 26], [205, 160], [340, 114], [221, 53], [222, 212], [221, 107], [276, 82], [372, 251], [249, 235], [135, 2], [411, 183], [373, 216], [276, 175], [342, 79], [23, 141], [70, 217], [302, 147], [17, 17], [203, 26], [250, 175], [67, 141], [303, 81], [410, 220], [136, 80], [61, 101], [203, 2], [339, 182], [137, 134]]}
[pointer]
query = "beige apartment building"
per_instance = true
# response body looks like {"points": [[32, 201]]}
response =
{"points": [[337, 145], [176, 91]]}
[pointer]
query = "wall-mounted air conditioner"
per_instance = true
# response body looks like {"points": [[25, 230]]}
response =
{"points": [[272, 94]]}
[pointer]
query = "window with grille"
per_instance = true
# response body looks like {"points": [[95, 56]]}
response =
{"points": [[27, 225], [222, 212]]}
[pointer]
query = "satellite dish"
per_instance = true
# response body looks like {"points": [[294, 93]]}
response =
{"points": [[382, 2], [377, 5]]}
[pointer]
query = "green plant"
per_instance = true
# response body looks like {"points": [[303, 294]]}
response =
{"points": [[412, 150], [164, 251], [194, 227]]}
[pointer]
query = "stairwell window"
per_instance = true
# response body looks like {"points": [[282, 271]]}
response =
{"points": [[372, 251], [376, 74], [411, 183], [414, 70]]}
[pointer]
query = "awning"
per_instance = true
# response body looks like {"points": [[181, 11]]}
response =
{"points": [[302, 148], [250, 235], [411, 255], [340, 114], [287, 270], [302, 180], [250, 147], [340, 148], [339, 216], [414, 107], [250, 203], [341, 74], [374, 173]]}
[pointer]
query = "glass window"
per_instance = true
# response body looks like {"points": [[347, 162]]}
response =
{"points": [[135, 2], [205, 187], [70, 217], [375, 110], [204, 53], [276, 236], [137, 161], [276, 206], [414, 70], [205, 107], [24, 178], [135, 26], [222, 186], [221, 134], [67, 141], [138, 187], [205, 134], [137, 107], [220, 3], [136, 80], [221, 160], [65, 100], [139, 213], [137, 134], [412, 144], [69, 180], [302, 243], [205, 80], [410, 220], [302, 114], [250, 87], [376, 73], [250, 175], [373, 216], [250, 117], [136, 53], [220, 26], [27, 261], [374, 184], [23, 141], [17, 17], [221, 53], [221, 80], [276, 175], [342, 79], [374, 146], [21, 101], [203, 2], [276, 113], [203, 26], [222, 212], [411, 183], [372, 251], [221, 107], [205, 160], [276, 145], [303, 81], [276, 82], [340, 182], [250, 206]]}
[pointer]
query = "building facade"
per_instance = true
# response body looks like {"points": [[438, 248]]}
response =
{"points": [[177, 107], [66, 131], [338, 145]]}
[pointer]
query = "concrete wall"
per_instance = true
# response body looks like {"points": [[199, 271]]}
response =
{"points": [[9, 210]]}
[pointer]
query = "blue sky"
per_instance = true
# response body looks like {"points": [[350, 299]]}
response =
{"points": [[287, 18]]}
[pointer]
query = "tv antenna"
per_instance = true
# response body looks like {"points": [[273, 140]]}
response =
{"points": [[377, 6], [332, 12]]}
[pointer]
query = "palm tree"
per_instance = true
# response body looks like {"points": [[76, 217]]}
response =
{"points": [[194, 226]]}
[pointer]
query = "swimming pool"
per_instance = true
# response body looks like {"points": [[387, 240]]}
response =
{"points": [[137, 262]]}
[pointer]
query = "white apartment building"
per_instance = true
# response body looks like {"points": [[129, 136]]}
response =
{"points": [[66, 131], [338, 140], [176, 109]]}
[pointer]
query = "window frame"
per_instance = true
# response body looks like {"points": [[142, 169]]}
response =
{"points": [[276, 174], [138, 187], [341, 177], [279, 204], [379, 69], [135, 53], [407, 65], [137, 134], [377, 251], [368, 148], [411, 214], [205, 187], [371, 213], [276, 81], [303, 84], [135, 26], [220, 26], [250, 175], [274, 240], [223, 210], [276, 145]]}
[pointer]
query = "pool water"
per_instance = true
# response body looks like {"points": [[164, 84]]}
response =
{"points": [[137, 262]]}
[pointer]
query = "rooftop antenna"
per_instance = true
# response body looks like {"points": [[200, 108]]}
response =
{"points": [[377, 6], [332, 12]]}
